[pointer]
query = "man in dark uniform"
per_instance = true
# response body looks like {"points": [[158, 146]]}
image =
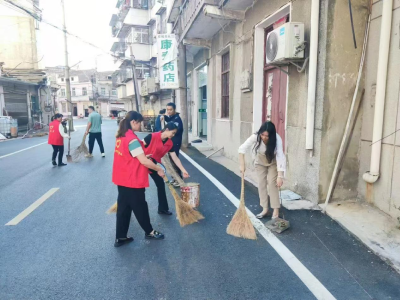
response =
{"points": [[173, 116]]}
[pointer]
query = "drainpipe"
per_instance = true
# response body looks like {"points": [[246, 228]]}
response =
{"points": [[312, 76], [384, 43]]}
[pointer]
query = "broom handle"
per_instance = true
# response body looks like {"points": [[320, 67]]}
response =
{"points": [[242, 191], [84, 138]]}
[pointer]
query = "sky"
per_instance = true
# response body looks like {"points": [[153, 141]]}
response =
{"points": [[88, 19]]}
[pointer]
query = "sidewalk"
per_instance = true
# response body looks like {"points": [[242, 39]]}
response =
{"points": [[379, 232]]}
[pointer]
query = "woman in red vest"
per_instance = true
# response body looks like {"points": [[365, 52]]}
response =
{"points": [[56, 139], [131, 175], [156, 146]]}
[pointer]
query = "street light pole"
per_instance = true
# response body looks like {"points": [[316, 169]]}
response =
{"points": [[67, 77], [135, 83]]}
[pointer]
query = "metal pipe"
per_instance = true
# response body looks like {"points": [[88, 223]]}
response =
{"points": [[312, 76], [215, 152], [373, 174]]}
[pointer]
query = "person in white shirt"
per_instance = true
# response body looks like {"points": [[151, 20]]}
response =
{"points": [[270, 163]]}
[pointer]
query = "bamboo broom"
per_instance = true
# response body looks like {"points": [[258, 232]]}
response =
{"points": [[240, 225], [185, 213], [81, 151], [113, 209]]}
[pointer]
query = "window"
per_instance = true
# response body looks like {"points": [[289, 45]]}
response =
{"points": [[103, 91], [142, 70], [225, 86], [64, 107], [140, 4], [62, 79], [72, 78], [138, 35], [73, 92], [114, 92], [84, 91], [63, 92]]}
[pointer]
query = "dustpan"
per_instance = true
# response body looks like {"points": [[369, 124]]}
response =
{"points": [[278, 225]]}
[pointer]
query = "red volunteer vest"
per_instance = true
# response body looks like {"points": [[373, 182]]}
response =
{"points": [[127, 170], [157, 148], [55, 137]]}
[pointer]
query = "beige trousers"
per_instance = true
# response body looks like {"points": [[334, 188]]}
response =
{"points": [[267, 174]]}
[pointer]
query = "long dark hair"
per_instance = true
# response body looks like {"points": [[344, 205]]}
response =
{"points": [[125, 123], [271, 145], [170, 126]]}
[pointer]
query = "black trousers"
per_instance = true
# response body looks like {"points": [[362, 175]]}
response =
{"points": [[177, 148], [60, 151], [132, 200], [162, 196], [95, 136]]}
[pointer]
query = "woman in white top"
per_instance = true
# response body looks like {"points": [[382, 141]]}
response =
{"points": [[270, 162]]}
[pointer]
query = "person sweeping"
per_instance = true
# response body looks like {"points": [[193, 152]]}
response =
{"points": [[56, 139], [270, 163], [156, 146], [131, 175]]}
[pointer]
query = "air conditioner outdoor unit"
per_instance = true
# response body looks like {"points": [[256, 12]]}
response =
{"points": [[285, 43]]}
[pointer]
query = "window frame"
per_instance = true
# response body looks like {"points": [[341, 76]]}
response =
{"points": [[140, 32], [84, 91], [225, 84]]}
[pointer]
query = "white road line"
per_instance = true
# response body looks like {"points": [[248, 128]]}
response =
{"points": [[22, 150], [312, 283], [32, 207]]}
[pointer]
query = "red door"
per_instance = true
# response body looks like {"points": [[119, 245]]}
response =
{"points": [[274, 104]]}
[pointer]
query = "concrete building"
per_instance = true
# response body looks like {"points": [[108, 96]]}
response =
{"points": [[137, 24], [23, 86], [384, 190], [88, 87], [232, 90]]}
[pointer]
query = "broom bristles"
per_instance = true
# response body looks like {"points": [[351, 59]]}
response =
{"points": [[240, 225], [113, 209], [185, 213], [81, 151]]}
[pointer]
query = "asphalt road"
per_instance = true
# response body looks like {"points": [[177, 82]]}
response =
{"points": [[64, 248]]}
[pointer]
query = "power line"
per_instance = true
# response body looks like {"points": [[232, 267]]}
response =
{"points": [[40, 19]]}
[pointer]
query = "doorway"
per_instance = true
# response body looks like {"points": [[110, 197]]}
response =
{"points": [[202, 102], [203, 112], [75, 113], [274, 101], [275, 85]]}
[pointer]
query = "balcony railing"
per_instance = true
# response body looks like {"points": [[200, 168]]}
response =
{"points": [[190, 10]]}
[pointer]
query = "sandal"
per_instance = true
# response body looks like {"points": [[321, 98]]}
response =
{"points": [[154, 236], [261, 215]]}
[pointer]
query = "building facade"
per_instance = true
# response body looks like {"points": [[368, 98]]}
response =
{"points": [[135, 28], [232, 89], [23, 85], [88, 87]]}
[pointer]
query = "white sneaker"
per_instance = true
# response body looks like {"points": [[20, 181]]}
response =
{"points": [[89, 155], [103, 155]]}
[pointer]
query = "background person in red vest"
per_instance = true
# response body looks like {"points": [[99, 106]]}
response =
{"points": [[156, 146], [131, 175], [56, 139]]}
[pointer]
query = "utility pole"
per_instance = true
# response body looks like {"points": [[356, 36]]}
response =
{"points": [[67, 77], [135, 83], [182, 73]]}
